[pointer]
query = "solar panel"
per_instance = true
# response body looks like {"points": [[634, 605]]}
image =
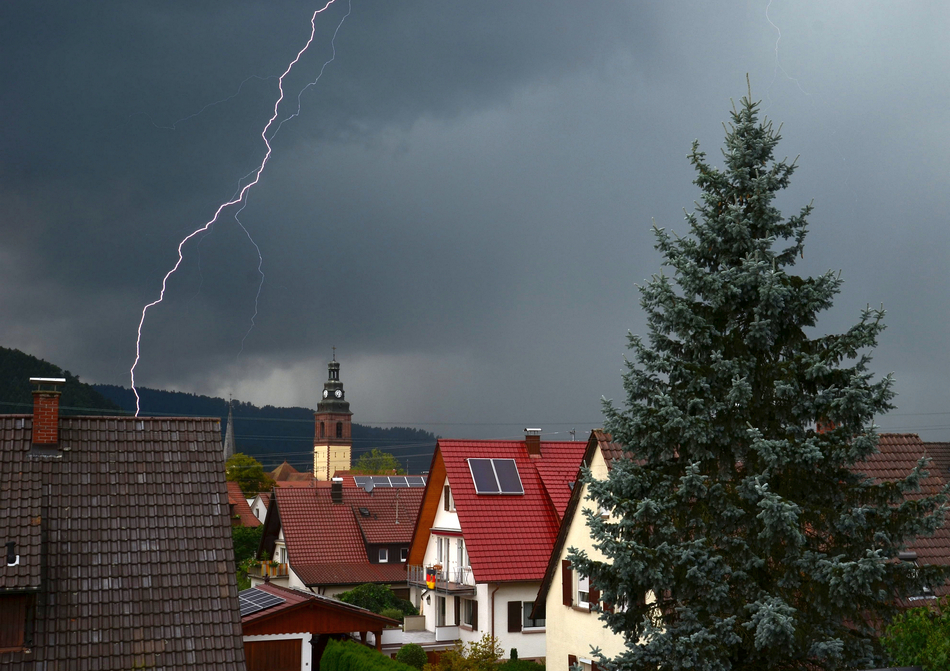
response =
{"points": [[509, 482], [390, 480], [254, 600], [483, 475], [495, 476]]}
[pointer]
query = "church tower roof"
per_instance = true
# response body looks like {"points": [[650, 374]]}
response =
{"points": [[334, 396], [229, 448]]}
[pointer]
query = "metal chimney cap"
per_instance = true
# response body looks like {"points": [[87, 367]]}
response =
{"points": [[48, 380], [532, 432]]}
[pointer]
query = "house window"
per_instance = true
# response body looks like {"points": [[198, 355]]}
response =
{"points": [[448, 500], [583, 591], [282, 555], [469, 613], [339, 429], [383, 555], [15, 610], [403, 554], [527, 621], [462, 554]]}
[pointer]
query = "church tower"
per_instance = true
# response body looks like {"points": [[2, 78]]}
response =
{"points": [[332, 444]]}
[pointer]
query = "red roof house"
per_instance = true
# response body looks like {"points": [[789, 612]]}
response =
{"points": [[335, 535], [239, 510], [486, 528]]}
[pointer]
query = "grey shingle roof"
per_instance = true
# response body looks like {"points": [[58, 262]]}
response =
{"points": [[127, 538]]}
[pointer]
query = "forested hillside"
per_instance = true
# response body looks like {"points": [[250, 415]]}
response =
{"points": [[16, 369], [273, 435]]}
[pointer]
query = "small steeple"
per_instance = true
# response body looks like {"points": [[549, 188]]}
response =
{"points": [[229, 448]]}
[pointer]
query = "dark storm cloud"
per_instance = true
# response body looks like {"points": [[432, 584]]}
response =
{"points": [[463, 205]]}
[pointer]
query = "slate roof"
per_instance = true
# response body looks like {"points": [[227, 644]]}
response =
{"points": [[509, 537], [127, 537], [240, 508], [326, 541]]}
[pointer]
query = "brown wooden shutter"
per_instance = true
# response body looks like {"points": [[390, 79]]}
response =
{"points": [[567, 583], [594, 596], [475, 615], [445, 497], [514, 616], [458, 610], [571, 661]]}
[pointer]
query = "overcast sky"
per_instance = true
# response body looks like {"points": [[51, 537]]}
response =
{"points": [[463, 205]]}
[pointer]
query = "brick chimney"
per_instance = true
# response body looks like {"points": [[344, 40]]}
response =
{"points": [[46, 392], [532, 441]]}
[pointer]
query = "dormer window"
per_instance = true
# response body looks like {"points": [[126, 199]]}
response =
{"points": [[383, 555]]}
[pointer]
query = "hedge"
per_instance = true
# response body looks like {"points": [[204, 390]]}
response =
{"points": [[353, 656]]}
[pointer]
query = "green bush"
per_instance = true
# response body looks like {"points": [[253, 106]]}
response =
{"points": [[394, 613], [412, 654], [921, 636], [520, 665], [351, 656], [376, 598]]}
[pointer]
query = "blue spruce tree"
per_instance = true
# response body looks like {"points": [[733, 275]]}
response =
{"points": [[742, 534]]}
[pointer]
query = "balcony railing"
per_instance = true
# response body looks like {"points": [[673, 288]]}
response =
{"points": [[272, 570], [450, 579]]}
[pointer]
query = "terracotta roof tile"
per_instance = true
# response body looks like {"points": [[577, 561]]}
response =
{"points": [[239, 506], [127, 505]]}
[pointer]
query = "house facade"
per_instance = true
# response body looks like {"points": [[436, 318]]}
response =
{"points": [[568, 598], [486, 527]]}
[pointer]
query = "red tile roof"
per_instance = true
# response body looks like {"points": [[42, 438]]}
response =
{"points": [[897, 456], [509, 537], [239, 506], [322, 537]]}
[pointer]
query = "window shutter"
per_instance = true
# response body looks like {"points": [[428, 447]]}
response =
{"points": [[594, 595], [475, 615], [567, 583], [514, 616], [445, 497], [458, 610], [571, 661]]}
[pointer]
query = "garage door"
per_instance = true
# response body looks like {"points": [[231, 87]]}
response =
{"points": [[273, 655]]}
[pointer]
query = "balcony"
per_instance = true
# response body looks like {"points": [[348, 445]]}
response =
{"points": [[452, 579], [268, 569]]}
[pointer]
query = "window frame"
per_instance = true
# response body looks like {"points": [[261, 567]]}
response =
{"points": [[383, 555]]}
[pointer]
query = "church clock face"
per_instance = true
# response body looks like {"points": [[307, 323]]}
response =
{"points": [[325, 393], [338, 393]]}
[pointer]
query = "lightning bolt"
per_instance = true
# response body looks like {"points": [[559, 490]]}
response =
{"points": [[778, 62], [241, 196]]}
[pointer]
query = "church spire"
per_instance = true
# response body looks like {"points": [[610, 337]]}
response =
{"points": [[229, 449]]}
